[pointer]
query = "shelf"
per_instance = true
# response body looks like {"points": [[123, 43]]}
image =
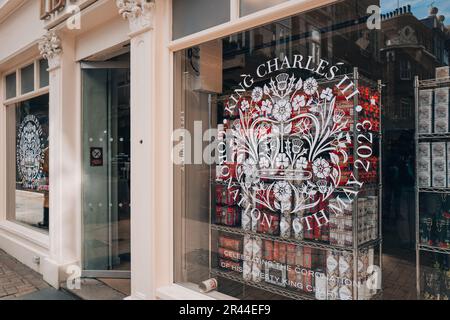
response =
{"points": [[234, 276], [431, 83], [305, 243], [434, 190], [425, 247], [296, 295], [434, 135]]}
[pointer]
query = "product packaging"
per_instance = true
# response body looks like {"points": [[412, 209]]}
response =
{"points": [[275, 274], [299, 256], [257, 260], [441, 98], [248, 258], [438, 164], [282, 255], [292, 278], [230, 243], [268, 250], [230, 265], [208, 285], [442, 72], [291, 254], [441, 113], [424, 172], [285, 225], [346, 266], [332, 263], [246, 219], [229, 254], [297, 228], [320, 283], [307, 257], [268, 223], [425, 111]]}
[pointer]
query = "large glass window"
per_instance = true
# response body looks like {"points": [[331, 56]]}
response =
{"points": [[11, 85], [250, 6], [268, 199], [295, 155], [190, 16], [27, 79], [43, 73], [28, 162]]}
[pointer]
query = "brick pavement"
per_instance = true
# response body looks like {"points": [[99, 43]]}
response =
{"points": [[16, 279]]}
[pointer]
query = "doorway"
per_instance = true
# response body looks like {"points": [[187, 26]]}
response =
{"points": [[106, 169]]}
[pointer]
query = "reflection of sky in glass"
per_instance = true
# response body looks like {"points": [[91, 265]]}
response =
{"points": [[420, 8]]}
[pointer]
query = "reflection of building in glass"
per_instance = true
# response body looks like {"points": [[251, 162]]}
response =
{"points": [[410, 47], [336, 33]]}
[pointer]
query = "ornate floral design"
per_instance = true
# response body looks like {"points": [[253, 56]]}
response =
{"points": [[290, 160], [29, 152], [137, 12], [321, 168], [50, 47]]}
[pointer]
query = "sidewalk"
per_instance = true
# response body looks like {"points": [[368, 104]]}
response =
{"points": [[18, 282]]}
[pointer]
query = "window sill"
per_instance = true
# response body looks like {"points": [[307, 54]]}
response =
{"points": [[34, 236], [187, 292]]}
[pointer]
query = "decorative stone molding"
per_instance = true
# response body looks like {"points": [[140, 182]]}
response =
{"points": [[139, 13], [50, 48]]}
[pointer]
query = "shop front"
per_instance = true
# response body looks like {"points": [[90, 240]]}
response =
{"points": [[68, 132], [264, 150], [295, 152]]}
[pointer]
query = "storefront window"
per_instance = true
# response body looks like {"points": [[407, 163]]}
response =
{"points": [[11, 85], [250, 6], [27, 79], [28, 162], [43, 73], [283, 201], [295, 155], [189, 16]]}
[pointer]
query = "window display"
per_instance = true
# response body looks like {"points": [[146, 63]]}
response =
{"points": [[284, 201], [433, 185], [28, 135]]}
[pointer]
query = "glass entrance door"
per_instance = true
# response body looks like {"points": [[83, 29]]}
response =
{"points": [[106, 164]]}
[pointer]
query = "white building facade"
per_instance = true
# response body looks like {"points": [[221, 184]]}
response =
{"points": [[101, 86]]}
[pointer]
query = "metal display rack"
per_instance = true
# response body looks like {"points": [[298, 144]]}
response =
{"points": [[375, 189], [426, 137]]}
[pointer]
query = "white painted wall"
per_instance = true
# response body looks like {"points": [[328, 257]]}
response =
{"points": [[20, 29]]}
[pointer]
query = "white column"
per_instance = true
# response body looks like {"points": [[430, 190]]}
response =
{"points": [[64, 158], [140, 16]]}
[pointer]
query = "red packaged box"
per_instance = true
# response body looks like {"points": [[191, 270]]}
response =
{"points": [[290, 255], [325, 233], [308, 285], [307, 257], [230, 265], [229, 216], [268, 250], [308, 234], [276, 251], [292, 277], [269, 223], [229, 254], [226, 195], [230, 243], [220, 194], [226, 171], [283, 253]]}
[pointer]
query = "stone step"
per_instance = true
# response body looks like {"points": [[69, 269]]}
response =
{"points": [[93, 289]]}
